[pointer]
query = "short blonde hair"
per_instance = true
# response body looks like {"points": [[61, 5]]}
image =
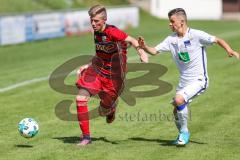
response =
{"points": [[98, 9]]}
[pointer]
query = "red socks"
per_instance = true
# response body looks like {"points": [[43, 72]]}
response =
{"points": [[83, 117]]}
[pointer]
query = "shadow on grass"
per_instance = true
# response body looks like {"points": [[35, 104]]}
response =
{"points": [[75, 139], [161, 141], [196, 142], [23, 146]]}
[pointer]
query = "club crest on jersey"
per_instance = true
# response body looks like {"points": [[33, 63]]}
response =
{"points": [[104, 38], [187, 43]]}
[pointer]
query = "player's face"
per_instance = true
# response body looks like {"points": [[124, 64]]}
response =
{"points": [[176, 23], [97, 22]]}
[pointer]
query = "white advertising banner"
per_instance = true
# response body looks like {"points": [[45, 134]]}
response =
{"points": [[123, 17], [12, 30], [31, 27], [77, 23], [48, 25]]}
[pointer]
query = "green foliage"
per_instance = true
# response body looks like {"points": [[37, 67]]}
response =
{"points": [[87, 3], [19, 6], [53, 4]]}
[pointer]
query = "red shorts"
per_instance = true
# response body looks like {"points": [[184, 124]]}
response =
{"points": [[108, 89]]}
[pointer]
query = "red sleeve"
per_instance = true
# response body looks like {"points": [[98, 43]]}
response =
{"points": [[117, 34]]}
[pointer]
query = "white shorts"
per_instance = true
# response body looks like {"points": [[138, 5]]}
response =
{"points": [[192, 89]]}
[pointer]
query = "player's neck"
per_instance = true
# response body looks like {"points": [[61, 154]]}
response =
{"points": [[103, 27], [182, 31]]}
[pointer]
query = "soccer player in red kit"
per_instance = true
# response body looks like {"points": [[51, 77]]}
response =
{"points": [[105, 74]]}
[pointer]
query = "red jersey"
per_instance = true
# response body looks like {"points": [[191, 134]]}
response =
{"points": [[111, 50]]}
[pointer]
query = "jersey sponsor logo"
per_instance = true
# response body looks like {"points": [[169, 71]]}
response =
{"points": [[107, 47], [184, 56]]}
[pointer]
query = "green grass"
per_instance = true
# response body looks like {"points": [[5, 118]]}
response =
{"points": [[214, 121]]}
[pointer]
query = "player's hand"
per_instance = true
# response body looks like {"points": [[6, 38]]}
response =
{"points": [[142, 53], [141, 42], [234, 53], [81, 69]]}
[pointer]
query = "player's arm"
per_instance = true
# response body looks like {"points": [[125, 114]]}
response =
{"points": [[227, 47], [140, 51], [145, 47]]}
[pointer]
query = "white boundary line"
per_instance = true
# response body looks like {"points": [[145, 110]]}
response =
{"points": [[24, 83], [35, 80]]}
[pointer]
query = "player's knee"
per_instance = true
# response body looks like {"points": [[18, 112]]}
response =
{"points": [[81, 101], [179, 100], [83, 95], [82, 98]]}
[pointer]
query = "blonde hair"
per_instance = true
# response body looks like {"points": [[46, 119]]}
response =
{"points": [[98, 9]]}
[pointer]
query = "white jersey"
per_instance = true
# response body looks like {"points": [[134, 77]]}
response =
{"points": [[189, 53]]}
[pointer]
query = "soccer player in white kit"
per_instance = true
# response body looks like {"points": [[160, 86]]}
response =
{"points": [[188, 48]]}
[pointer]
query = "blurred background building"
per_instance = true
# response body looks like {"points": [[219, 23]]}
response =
{"points": [[231, 9], [202, 9]]}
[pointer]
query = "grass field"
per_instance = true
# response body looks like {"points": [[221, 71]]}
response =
{"points": [[214, 123]]}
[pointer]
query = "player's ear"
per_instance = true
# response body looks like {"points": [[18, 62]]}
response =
{"points": [[182, 22]]}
